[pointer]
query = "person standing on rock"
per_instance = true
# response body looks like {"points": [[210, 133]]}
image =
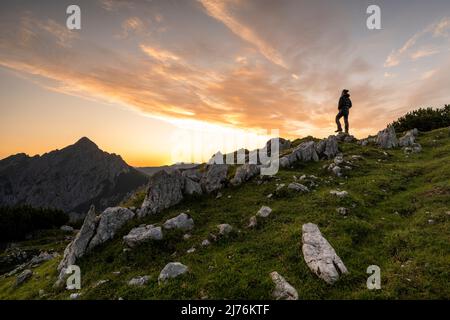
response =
{"points": [[344, 107]]}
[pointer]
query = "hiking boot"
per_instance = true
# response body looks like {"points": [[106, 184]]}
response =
{"points": [[338, 130]]}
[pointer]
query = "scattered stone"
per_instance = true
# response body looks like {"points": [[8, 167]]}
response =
{"points": [[143, 234], [24, 276], [74, 296], [340, 194], [337, 171], [42, 257], [182, 221], [224, 229], [205, 243], [339, 159], [342, 211], [430, 221], [252, 222], [139, 281], [264, 212], [269, 195], [66, 228], [187, 236], [191, 250], [320, 256], [219, 195], [172, 270], [100, 282], [298, 187], [280, 186], [283, 290]]}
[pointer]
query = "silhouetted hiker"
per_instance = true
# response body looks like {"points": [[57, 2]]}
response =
{"points": [[344, 106]]}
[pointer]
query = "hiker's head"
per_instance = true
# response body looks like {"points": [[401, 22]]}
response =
{"points": [[345, 92]]}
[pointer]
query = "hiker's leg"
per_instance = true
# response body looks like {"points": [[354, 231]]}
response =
{"points": [[338, 123], [346, 122]]}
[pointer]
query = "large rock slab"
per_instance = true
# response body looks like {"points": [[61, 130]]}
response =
{"points": [[283, 290], [143, 234], [24, 276], [214, 177], [327, 147], [164, 190], [182, 221], [320, 256], [111, 220], [172, 270], [77, 248], [192, 187], [387, 139]]}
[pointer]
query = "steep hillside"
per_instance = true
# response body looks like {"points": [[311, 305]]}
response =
{"points": [[70, 179], [397, 216]]}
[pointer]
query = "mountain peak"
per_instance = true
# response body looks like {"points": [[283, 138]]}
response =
{"points": [[85, 141]]}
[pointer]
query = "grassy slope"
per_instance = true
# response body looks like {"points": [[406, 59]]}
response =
{"points": [[391, 199]]}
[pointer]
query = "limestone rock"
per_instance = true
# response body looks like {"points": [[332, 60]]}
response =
{"points": [[66, 228], [252, 222], [172, 270], [214, 178], [24, 276], [387, 139], [320, 256], [283, 290], [164, 190], [192, 187], [409, 138], [298, 187], [245, 173], [339, 194], [306, 151], [264, 212], [77, 248], [183, 221], [224, 229], [139, 281], [143, 234], [111, 220]]}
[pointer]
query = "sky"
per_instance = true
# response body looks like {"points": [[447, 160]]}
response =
{"points": [[166, 81]]}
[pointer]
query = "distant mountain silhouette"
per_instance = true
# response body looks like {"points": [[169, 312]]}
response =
{"points": [[70, 179]]}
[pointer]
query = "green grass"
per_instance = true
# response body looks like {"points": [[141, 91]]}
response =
{"points": [[391, 199]]}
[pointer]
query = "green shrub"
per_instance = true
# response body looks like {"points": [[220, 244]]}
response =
{"points": [[424, 119], [17, 222]]}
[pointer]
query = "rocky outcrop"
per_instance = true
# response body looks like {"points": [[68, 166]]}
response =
{"points": [[172, 270], [214, 178], [182, 221], [94, 231], [283, 290], [70, 179], [320, 256], [304, 152], [142, 234], [245, 173], [110, 221], [164, 190], [387, 138]]}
